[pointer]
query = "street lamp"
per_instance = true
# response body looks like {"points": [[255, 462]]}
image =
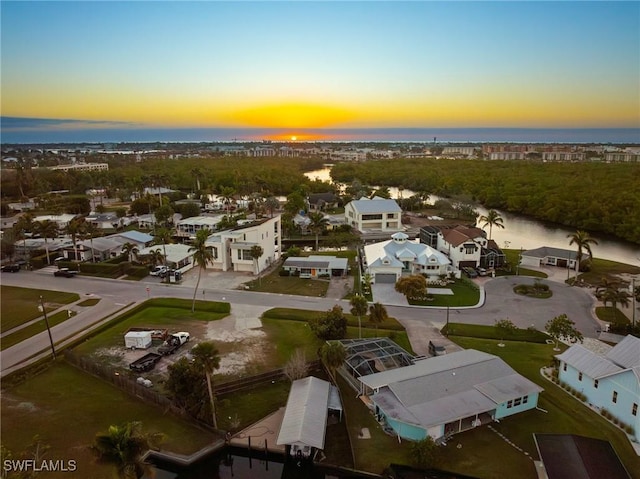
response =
{"points": [[46, 321]]}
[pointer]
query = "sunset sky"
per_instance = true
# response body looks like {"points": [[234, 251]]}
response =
{"points": [[323, 64]]}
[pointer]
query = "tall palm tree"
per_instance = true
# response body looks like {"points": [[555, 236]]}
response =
{"points": [[130, 249], [377, 314], [21, 227], [615, 296], [332, 356], [90, 230], [227, 197], [75, 229], [583, 241], [196, 173], [163, 237], [156, 256], [359, 308], [47, 229], [201, 257], [318, 223], [207, 359], [492, 219], [123, 446], [256, 253], [272, 204]]}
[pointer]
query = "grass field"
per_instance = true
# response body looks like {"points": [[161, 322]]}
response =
{"points": [[66, 408], [465, 293], [33, 329], [20, 305]]}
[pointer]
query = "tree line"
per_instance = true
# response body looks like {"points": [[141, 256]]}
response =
{"points": [[596, 197]]}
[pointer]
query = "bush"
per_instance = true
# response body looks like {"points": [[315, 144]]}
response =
{"points": [[331, 325], [137, 271], [283, 272]]}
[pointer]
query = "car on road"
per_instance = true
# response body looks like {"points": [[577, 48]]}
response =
{"points": [[11, 268], [65, 273]]}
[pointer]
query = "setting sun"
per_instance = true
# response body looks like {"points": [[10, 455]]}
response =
{"points": [[294, 138]]}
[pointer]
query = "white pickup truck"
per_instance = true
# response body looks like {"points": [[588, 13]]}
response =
{"points": [[173, 342]]}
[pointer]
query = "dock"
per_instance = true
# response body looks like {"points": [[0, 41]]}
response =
{"points": [[261, 435]]}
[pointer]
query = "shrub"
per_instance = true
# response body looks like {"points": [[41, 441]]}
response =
{"points": [[137, 271], [283, 272], [331, 325]]}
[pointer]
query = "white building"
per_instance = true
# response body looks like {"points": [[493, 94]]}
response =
{"points": [[232, 248], [387, 261], [178, 255], [82, 167], [62, 220], [188, 227], [374, 214]]}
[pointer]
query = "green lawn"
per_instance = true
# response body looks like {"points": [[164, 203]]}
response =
{"points": [[602, 268], [33, 329], [67, 408], [490, 332], [565, 414], [274, 283], [465, 293], [614, 316], [20, 305]]}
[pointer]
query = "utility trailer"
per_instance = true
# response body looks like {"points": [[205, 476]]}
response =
{"points": [[146, 362]]}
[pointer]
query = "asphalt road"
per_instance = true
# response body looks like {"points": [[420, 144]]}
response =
{"points": [[422, 324]]}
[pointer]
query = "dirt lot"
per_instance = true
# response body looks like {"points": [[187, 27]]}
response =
{"points": [[238, 337]]}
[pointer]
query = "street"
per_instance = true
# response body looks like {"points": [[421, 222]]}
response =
{"points": [[422, 324]]}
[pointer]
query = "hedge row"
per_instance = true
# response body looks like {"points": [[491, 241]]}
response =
{"points": [[208, 306], [304, 315], [529, 335]]}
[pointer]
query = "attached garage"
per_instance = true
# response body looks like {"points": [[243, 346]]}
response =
{"points": [[387, 278]]}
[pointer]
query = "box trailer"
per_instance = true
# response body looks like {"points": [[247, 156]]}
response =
{"points": [[138, 339]]}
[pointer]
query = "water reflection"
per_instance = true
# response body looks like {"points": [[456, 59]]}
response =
{"points": [[527, 233]]}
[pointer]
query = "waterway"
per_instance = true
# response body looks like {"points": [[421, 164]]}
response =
{"points": [[528, 233]]}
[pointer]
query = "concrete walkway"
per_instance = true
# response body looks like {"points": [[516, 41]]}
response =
{"points": [[262, 434]]}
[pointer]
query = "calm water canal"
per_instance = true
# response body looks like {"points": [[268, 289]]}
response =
{"points": [[526, 233]]}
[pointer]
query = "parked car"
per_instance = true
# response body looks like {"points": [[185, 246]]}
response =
{"points": [[482, 271], [159, 271], [470, 272], [11, 268], [65, 272]]}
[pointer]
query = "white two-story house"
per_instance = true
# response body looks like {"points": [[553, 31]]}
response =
{"points": [[232, 248], [373, 214]]}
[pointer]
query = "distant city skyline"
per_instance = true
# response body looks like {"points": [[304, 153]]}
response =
{"points": [[297, 66]]}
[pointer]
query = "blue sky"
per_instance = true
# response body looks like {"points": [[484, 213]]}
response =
{"points": [[324, 64]]}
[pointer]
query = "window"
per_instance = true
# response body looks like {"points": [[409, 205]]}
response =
{"points": [[525, 400], [371, 217], [595, 384], [509, 404], [579, 376], [391, 216], [517, 402], [615, 397], [564, 366], [634, 409], [244, 254], [469, 249]]}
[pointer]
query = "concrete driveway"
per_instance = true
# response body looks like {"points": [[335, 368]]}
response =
{"points": [[387, 295]]}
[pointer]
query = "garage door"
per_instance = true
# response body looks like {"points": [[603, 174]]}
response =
{"points": [[385, 278]]}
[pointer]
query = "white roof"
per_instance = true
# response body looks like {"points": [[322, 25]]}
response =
{"points": [[375, 205], [397, 250], [588, 362], [441, 389], [175, 252], [305, 418], [201, 220], [626, 353]]}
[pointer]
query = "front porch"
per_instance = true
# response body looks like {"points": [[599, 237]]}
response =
{"points": [[470, 422]]}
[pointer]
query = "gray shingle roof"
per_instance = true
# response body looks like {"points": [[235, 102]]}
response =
{"points": [[548, 251]]}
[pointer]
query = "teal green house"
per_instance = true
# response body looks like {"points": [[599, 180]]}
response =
{"points": [[444, 395]]}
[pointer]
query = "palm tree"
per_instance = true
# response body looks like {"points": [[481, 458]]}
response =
{"points": [[272, 204], [47, 229], [201, 256], [492, 219], [615, 296], [318, 223], [377, 314], [227, 197], [130, 249], [163, 237], [256, 253], [359, 308], [332, 356], [207, 359], [583, 241], [123, 446], [197, 173], [156, 256], [21, 227], [75, 229], [90, 229]]}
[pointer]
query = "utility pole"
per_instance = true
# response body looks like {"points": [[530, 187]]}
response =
{"points": [[46, 321]]}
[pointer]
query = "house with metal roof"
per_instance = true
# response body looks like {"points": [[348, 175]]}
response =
{"points": [[387, 261], [609, 381], [304, 425], [445, 395], [549, 256], [140, 239], [376, 214], [316, 266]]}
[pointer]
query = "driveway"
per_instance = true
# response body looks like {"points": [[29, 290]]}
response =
{"points": [[387, 295]]}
